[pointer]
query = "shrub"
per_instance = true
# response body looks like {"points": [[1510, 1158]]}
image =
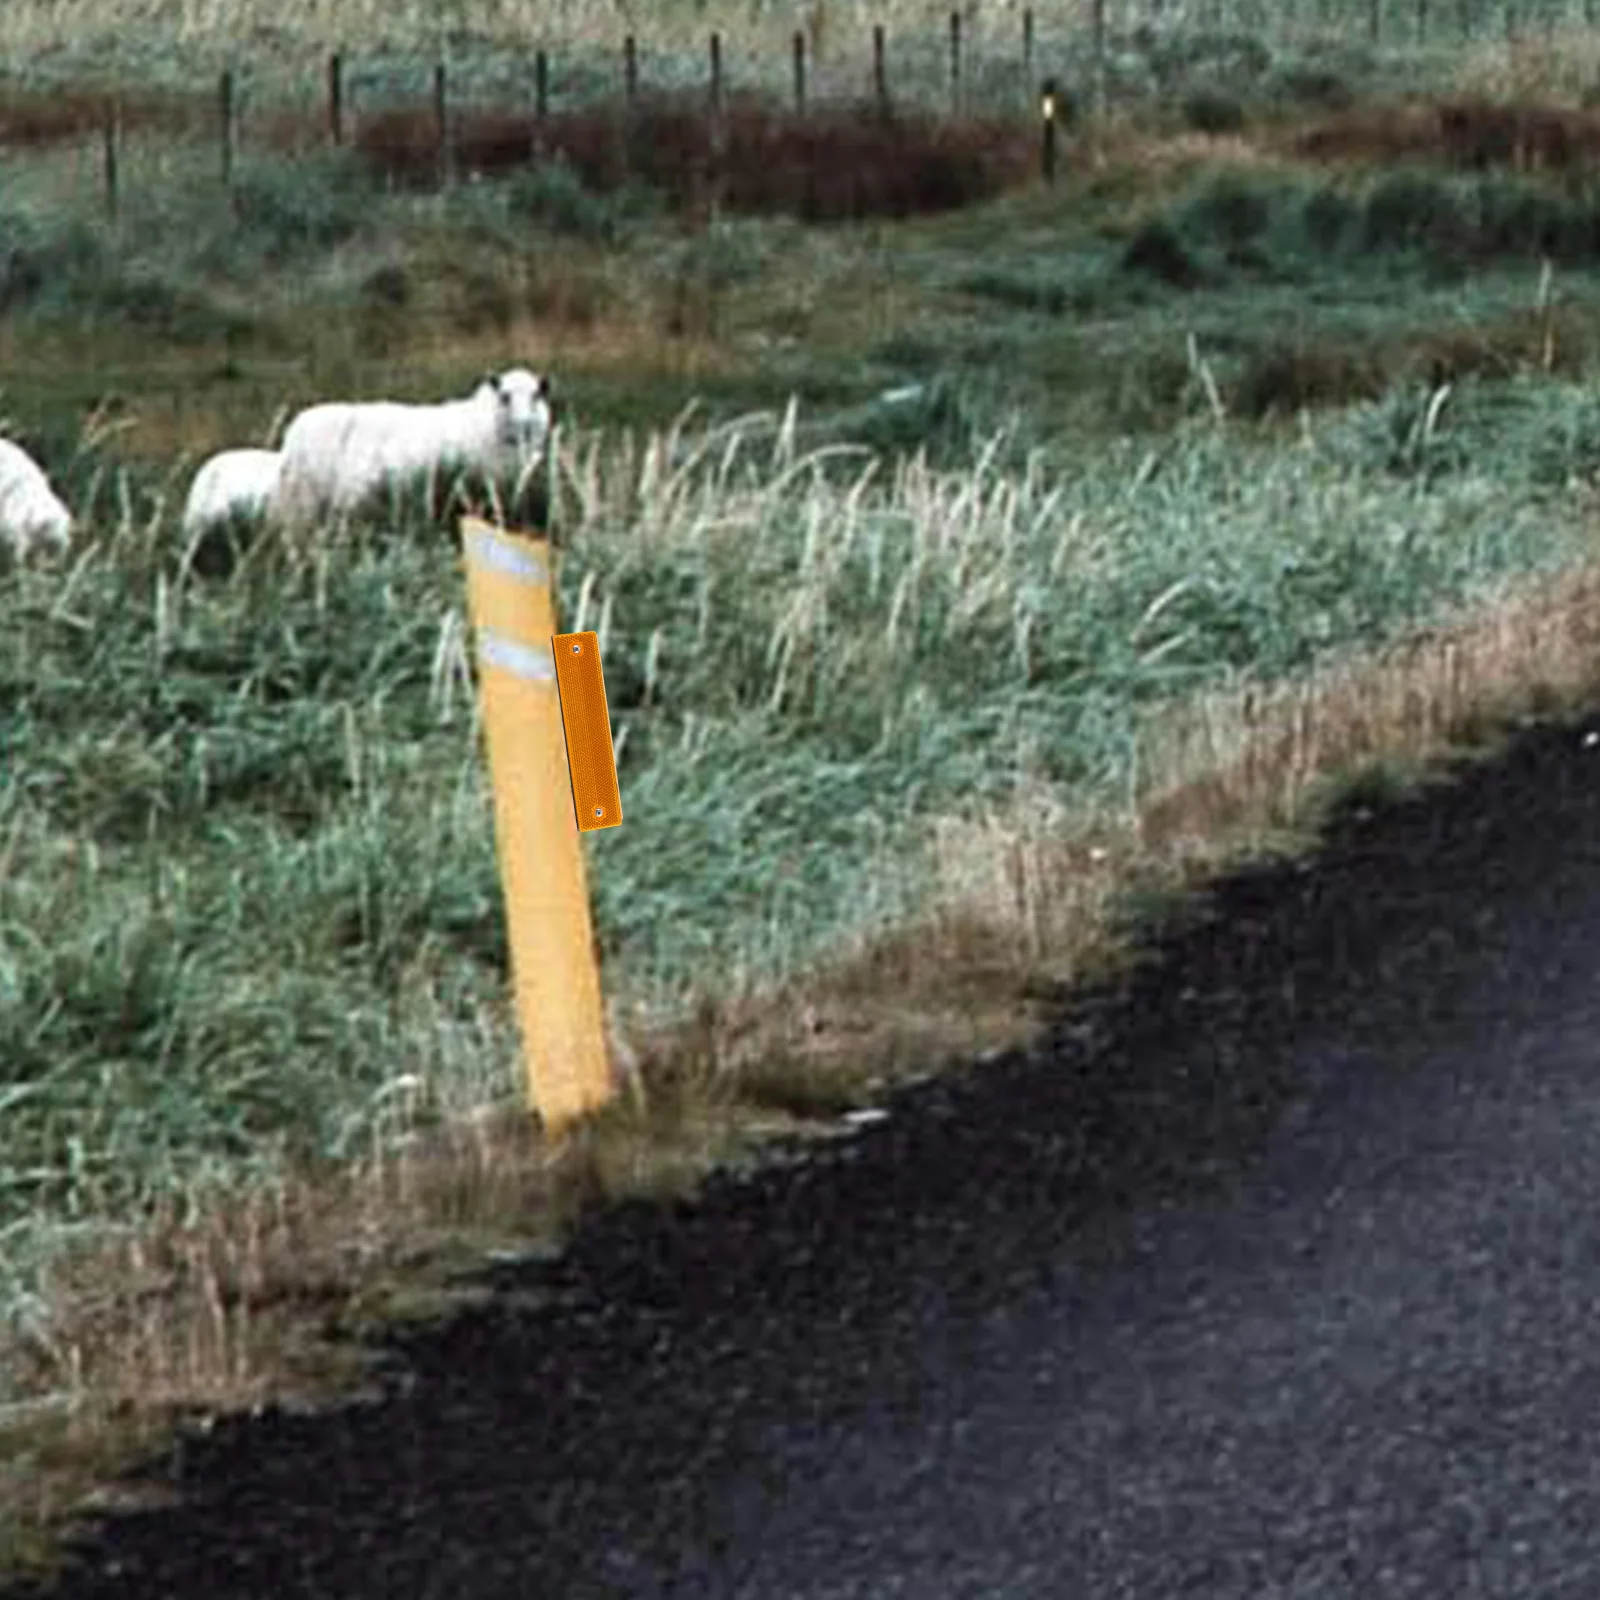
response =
{"points": [[36, 255], [1304, 84], [554, 195], [1157, 251], [1213, 111], [1414, 210], [149, 298], [823, 166], [282, 209], [387, 286], [1330, 219], [1285, 380], [1232, 209], [1518, 218]]}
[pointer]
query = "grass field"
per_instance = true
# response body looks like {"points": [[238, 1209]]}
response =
{"points": [[1234, 464]]}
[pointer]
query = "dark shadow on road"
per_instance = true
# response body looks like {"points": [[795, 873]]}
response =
{"points": [[1273, 1273]]}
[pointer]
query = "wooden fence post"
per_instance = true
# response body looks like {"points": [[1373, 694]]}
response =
{"points": [[541, 85], [226, 114], [955, 63], [717, 143], [799, 50], [1027, 52], [880, 71], [336, 98], [630, 97], [441, 124], [112, 134], [1099, 19]]}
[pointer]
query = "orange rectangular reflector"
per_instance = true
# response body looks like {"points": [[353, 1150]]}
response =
{"points": [[591, 757]]}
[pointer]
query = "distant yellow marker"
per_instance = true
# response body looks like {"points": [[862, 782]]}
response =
{"points": [[553, 967], [591, 756]]}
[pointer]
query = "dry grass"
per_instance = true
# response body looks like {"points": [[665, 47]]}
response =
{"points": [[824, 166], [1166, 158], [257, 1297], [831, 27], [33, 117], [1243, 769], [1025, 892], [177, 430], [1557, 340], [834, 29], [623, 344], [1561, 65], [1531, 134], [175, 433]]}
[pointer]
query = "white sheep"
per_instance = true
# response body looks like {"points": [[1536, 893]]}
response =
{"points": [[32, 517], [341, 456], [234, 484]]}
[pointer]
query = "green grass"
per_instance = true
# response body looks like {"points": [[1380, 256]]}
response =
{"points": [[1085, 302], [251, 869], [249, 908]]}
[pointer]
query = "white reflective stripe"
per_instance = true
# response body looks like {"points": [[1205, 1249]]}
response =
{"points": [[492, 552], [527, 661]]}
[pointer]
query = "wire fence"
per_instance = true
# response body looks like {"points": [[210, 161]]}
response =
{"points": [[1030, 65]]}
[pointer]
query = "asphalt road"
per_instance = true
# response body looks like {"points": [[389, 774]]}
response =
{"points": [[1276, 1274]]}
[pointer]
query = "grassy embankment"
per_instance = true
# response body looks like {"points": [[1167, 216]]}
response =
{"points": [[905, 737]]}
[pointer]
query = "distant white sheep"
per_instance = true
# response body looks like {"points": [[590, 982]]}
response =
{"points": [[340, 457], [32, 518], [232, 484]]}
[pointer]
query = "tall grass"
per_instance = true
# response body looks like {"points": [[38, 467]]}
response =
{"points": [[250, 905], [249, 910], [1194, 50], [850, 650]]}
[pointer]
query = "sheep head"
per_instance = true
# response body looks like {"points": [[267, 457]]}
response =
{"points": [[522, 402]]}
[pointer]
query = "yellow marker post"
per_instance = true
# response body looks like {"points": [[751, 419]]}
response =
{"points": [[553, 967]]}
